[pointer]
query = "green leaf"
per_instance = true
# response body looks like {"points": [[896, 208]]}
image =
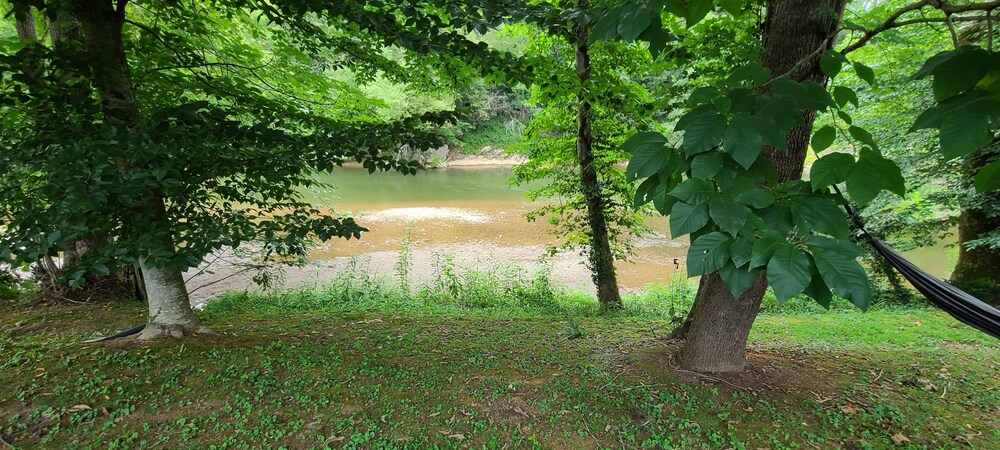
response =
{"points": [[988, 178], [703, 94], [740, 251], [738, 279], [891, 174], [634, 21], [836, 261], [962, 71], [703, 129], [820, 214], [830, 169], [644, 193], [965, 128], [864, 182], [708, 253], [818, 290], [733, 7], [729, 215], [789, 271], [743, 140], [686, 218], [844, 95], [865, 73], [694, 191], [697, 10], [764, 247], [649, 154], [862, 135], [706, 165], [605, 28], [831, 63], [757, 198], [823, 138]]}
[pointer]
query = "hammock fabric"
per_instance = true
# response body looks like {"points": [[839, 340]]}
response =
{"points": [[962, 306], [954, 301]]}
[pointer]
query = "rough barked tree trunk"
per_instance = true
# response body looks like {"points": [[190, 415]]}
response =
{"points": [[981, 264], [102, 20], [795, 35], [602, 261]]}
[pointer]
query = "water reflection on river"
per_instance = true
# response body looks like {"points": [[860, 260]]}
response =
{"points": [[475, 216]]}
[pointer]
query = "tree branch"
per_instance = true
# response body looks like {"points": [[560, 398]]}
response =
{"points": [[949, 9]]}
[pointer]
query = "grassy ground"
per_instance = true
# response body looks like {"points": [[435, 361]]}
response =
{"points": [[487, 378]]}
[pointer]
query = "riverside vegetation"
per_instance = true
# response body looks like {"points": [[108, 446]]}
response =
{"points": [[492, 358]]}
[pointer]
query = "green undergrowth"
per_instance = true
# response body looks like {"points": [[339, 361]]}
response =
{"points": [[498, 133], [498, 289], [457, 377]]}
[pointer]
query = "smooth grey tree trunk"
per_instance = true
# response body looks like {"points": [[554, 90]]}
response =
{"points": [[795, 35], [170, 311]]}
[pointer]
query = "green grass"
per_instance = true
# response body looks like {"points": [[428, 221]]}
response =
{"points": [[378, 365]]}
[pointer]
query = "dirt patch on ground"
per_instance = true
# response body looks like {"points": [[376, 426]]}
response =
{"points": [[768, 375]]}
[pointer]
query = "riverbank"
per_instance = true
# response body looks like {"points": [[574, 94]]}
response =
{"points": [[417, 379]]}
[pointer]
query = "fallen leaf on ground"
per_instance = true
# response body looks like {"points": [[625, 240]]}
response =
{"points": [[900, 439]]}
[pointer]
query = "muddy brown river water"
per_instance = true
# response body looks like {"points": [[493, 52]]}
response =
{"points": [[472, 216]]}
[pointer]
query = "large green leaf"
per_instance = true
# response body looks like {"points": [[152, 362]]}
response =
{"points": [[703, 130], [965, 127], [686, 218], [820, 214], [645, 192], [836, 261], [988, 178], [636, 18], [789, 271], [831, 63], [649, 154], [862, 135], [865, 73], [844, 95], [729, 215], [741, 251], [697, 10], [743, 140], [830, 169], [694, 191], [864, 182], [706, 165], [823, 138], [738, 279], [818, 290], [960, 72], [764, 247], [892, 175], [708, 253]]}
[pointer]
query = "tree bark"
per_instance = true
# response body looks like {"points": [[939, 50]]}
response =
{"points": [[102, 20], [24, 22], [601, 258], [978, 268], [795, 34]]}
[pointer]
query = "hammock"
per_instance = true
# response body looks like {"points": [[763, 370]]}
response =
{"points": [[959, 304], [962, 306]]}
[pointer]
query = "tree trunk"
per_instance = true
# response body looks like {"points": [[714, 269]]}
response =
{"points": [[602, 260], [169, 306], [795, 35], [24, 22], [978, 269]]}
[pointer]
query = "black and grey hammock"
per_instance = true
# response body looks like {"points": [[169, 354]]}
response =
{"points": [[959, 304]]}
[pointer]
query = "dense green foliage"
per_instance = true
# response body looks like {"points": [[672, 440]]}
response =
{"points": [[621, 107]]}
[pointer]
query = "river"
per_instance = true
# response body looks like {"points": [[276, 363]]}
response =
{"points": [[474, 213]]}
